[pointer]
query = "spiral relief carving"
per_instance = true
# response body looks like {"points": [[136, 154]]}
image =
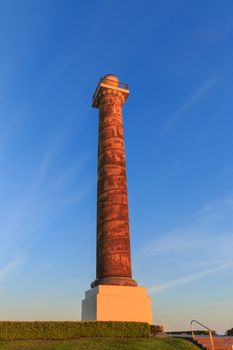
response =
{"points": [[113, 237]]}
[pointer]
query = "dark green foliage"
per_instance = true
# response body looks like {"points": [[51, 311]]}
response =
{"points": [[155, 329], [61, 330], [229, 332]]}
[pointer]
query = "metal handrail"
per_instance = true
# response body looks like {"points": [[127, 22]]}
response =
{"points": [[209, 330]]}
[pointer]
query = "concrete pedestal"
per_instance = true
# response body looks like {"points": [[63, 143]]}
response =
{"points": [[117, 303]]}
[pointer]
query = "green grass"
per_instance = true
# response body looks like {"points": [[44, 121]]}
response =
{"points": [[101, 344]]}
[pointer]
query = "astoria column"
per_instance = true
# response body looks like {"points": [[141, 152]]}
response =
{"points": [[113, 258], [114, 295]]}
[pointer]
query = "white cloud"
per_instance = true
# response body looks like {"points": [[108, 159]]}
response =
{"points": [[5, 270], [211, 226], [198, 95], [205, 244], [188, 279], [45, 197]]}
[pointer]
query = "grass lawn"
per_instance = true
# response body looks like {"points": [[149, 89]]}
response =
{"points": [[101, 344]]}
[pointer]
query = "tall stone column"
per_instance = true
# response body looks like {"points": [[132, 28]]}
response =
{"points": [[114, 295], [113, 265]]}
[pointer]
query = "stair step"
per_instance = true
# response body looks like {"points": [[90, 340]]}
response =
{"points": [[224, 343]]}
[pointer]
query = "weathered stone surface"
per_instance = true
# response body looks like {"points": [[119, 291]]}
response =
{"points": [[113, 237]]}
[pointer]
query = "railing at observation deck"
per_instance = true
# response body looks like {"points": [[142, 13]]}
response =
{"points": [[111, 82]]}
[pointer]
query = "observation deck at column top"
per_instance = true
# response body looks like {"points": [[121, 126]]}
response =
{"points": [[111, 82]]}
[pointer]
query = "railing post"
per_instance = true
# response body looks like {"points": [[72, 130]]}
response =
{"points": [[211, 339], [193, 330]]}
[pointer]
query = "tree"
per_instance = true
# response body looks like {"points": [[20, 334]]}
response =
{"points": [[229, 332]]}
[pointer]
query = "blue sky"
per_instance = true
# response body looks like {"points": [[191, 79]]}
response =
{"points": [[176, 56]]}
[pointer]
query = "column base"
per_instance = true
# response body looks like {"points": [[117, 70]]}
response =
{"points": [[117, 303], [114, 281]]}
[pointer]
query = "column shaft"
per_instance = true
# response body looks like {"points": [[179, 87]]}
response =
{"points": [[113, 237]]}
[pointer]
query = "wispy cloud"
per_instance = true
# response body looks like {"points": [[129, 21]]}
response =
{"points": [[188, 279], [46, 196], [5, 270], [211, 225], [203, 244], [199, 94], [215, 31]]}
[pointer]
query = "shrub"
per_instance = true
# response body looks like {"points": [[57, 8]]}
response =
{"points": [[155, 329], [61, 330], [229, 332]]}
